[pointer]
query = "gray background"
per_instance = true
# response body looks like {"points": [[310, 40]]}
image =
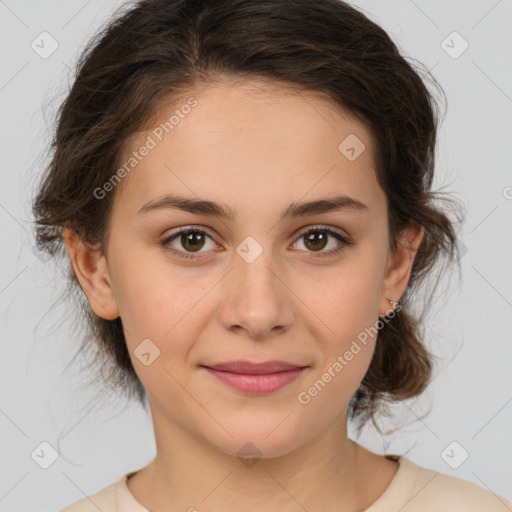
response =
{"points": [[96, 436]]}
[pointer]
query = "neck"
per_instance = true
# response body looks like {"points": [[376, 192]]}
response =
{"points": [[189, 473]]}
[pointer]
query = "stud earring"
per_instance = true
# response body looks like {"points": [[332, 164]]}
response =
{"points": [[393, 303]]}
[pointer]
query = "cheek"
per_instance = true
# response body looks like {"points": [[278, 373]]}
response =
{"points": [[346, 309], [158, 302], [347, 300], [163, 317], [345, 356]]}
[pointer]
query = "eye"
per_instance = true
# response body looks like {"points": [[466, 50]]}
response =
{"points": [[189, 238], [317, 238], [193, 239]]}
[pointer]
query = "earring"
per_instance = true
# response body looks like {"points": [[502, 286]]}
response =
{"points": [[393, 304]]}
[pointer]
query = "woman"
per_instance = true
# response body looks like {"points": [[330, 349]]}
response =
{"points": [[244, 193]]}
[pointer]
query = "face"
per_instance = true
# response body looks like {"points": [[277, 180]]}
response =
{"points": [[274, 280]]}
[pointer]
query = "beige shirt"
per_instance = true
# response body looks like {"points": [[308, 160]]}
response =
{"points": [[413, 489]]}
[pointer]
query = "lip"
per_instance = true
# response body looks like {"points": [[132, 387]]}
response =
{"points": [[256, 378], [250, 368]]}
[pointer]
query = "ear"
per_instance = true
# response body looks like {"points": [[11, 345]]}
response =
{"points": [[399, 267], [92, 273]]}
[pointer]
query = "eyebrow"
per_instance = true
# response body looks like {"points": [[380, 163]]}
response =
{"points": [[210, 208]]}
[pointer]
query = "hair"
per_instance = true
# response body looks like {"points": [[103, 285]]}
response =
{"points": [[154, 50]]}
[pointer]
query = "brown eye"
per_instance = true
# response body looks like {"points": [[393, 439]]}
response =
{"points": [[315, 240], [192, 241], [187, 241]]}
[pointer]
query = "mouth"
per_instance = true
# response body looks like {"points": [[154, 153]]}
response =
{"points": [[256, 378]]}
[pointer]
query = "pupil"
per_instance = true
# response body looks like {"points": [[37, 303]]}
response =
{"points": [[315, 237], [191, 240]]}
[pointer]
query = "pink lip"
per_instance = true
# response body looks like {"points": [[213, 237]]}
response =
{"points": [[256, 378]]}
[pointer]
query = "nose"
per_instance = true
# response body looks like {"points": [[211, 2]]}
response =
{"points": [[256, 298]]}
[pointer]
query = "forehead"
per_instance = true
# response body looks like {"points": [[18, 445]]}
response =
{"points": [[223, 140]]}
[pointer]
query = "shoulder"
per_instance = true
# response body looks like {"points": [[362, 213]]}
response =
{"points": [[433, 490], [105, 500]]}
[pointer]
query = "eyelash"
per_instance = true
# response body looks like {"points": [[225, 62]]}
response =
{"points": [[192, 229]]}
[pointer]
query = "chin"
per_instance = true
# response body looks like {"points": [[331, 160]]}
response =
{"points": [[256, 440]]}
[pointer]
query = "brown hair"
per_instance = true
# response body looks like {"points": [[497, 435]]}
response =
{"points": [[155, 49]]}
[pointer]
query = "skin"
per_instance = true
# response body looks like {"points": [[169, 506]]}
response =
{"points": [[255, 147]]}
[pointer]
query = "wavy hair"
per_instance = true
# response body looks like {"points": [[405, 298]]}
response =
{"points": [[153, 50]]}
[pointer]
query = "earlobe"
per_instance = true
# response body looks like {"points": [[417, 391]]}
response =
{"points": [[92, 273], [399, 266]]}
